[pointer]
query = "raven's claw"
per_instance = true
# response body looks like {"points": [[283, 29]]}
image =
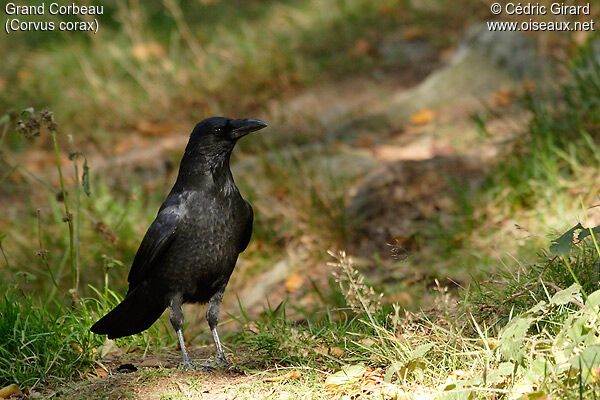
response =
{"points": [[211, 366]]}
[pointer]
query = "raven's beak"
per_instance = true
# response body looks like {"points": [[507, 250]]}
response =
{"points": [[242, 127]]}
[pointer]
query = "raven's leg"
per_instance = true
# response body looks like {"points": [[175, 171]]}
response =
{"points": [[213, 313], [176, 315]]}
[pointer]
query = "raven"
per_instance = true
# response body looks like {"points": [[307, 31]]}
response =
{"points": [[190, 250]]}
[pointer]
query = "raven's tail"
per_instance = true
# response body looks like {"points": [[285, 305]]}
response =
{"points": [[136, 313]]}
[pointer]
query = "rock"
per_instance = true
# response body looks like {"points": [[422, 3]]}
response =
{"points": [[484, 62], [468, 77], [514, 52]]}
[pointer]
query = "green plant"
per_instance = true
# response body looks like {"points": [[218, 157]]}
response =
{"points": [[41, 342]]}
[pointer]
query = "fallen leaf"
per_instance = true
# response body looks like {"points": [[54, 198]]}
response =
{"points": [[9, 390], [331, 351], [284, 377], [504, 97], [367, 342], [336, 352], [101, 372], [253, 328], [491, 342], [412, 33], [293, 282], [422, 117]]}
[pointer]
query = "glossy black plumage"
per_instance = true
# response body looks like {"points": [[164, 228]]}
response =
{"points": [[191, 248]]}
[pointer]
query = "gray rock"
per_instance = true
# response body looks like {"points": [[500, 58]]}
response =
{"points": [[514, 52], [469, 76], [484, 62]]}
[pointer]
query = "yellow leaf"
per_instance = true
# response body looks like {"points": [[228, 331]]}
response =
{"points": [[422, 117], [332, 351], [293, 282], [284, 377], [7, 391]]}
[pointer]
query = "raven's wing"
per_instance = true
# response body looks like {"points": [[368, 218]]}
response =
{"points": [[247, 233], [157, 239]]}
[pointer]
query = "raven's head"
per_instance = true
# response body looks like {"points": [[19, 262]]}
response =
{"points": [[212, 142], [224, 130]]}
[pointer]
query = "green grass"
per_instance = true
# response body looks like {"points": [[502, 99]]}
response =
{"points": [[38, 343], [44, 341]]}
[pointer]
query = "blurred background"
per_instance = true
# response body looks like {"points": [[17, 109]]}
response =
{"points": [[434, 151]]}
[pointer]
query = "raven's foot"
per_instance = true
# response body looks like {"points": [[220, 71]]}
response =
{"points": [[220, 362], [217, 363], [187, 364]]}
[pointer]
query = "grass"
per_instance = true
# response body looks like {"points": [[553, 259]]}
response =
{"points": [[458, 351], [39, 344], [45, 341]]}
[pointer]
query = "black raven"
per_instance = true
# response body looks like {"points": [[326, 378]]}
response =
{"points": [[190, 250]]}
